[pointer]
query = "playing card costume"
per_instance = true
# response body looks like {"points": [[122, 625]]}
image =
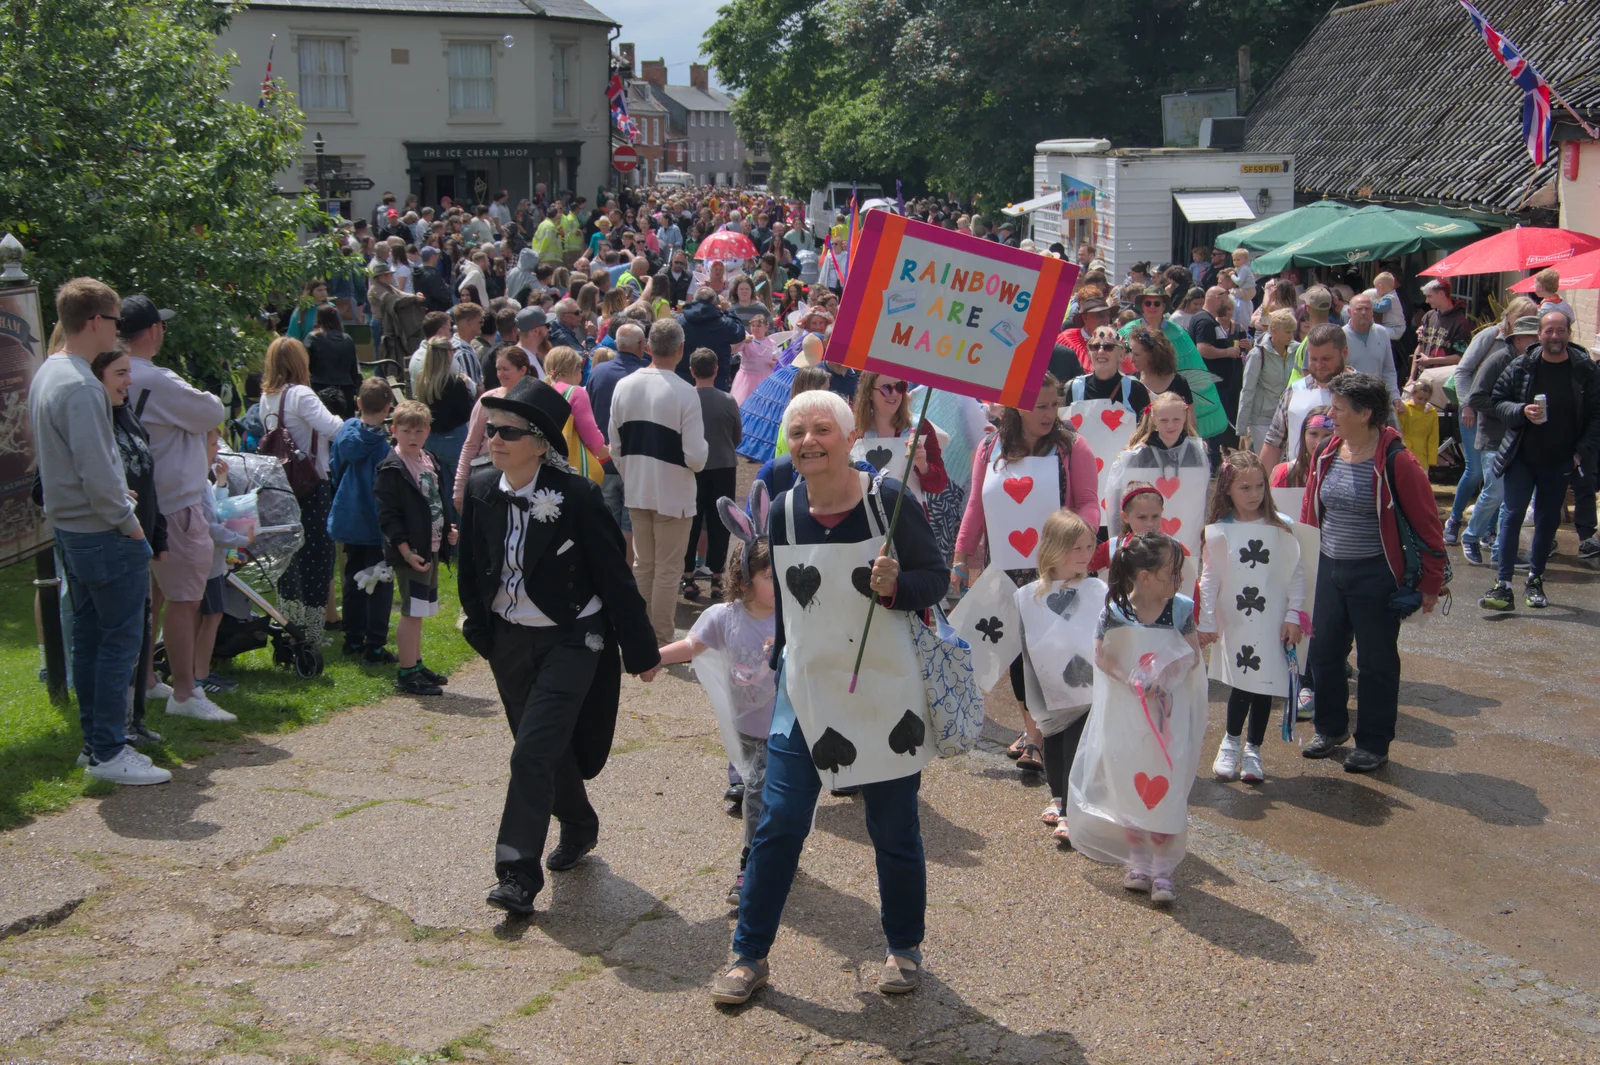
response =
{"points": [[549, 600], [1252, 584], [1182, 474], [1105, 424]]}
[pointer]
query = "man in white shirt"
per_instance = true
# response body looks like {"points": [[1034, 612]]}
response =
{"points": [[499, 211], [1371, 346], [658, 444]]}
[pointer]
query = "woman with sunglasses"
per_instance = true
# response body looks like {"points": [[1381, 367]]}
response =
{"points": [[884, 413], [1197, 387], [1105, 379]]}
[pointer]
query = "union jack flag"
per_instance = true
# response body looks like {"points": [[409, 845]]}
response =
{"points": [[266, 82], [1536, 114]]}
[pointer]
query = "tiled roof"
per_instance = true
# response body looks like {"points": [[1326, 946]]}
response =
{"points": [[569, 10], [1398, 99], [700, 99]]}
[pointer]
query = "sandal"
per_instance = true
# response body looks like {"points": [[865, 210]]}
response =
{"points": [[1060, 834], [1015, 750], [1052, 813], [1032, 760]]}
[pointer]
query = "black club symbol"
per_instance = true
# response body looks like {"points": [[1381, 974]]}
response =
{"points": [[992, 629], [1247, 659], [1251, 599], [1253, 552]]}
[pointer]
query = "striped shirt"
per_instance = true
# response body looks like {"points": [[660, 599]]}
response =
{"points": [[1350, 511], [658, 441]]}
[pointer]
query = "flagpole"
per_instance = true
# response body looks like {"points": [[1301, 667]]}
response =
{"points": [[1562, 100]]}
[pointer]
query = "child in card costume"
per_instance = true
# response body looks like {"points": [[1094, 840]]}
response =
{"points": [[1057, 616], [1252, 593], [1167, 452], [1104, 406], [1140, 512], [1128, 793], [729, 646], [1031, 466]]}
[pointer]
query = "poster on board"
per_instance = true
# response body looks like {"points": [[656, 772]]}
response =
{"points": [[950, 311], [23, 530]]}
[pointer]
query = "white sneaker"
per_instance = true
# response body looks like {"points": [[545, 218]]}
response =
{"points": [[158, 690], [198, 707], [128, 767], [1250, 770], [1226, 767]]}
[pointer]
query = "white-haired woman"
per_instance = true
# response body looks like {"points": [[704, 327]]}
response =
{"points": [[829, 554]]}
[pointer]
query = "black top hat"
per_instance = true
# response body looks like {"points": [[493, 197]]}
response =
{"points": [[541, 405]]}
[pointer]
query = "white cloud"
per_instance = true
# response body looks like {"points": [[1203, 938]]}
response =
{"points": [[665, 31]]}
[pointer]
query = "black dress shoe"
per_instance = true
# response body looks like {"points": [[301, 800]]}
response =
{"points": [[566, 855], [1364, 761], [380, 656], [1322, 746], [512, 896], [735, 793]]}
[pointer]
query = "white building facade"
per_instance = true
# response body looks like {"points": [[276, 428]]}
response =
{"points": [[438, 98]]}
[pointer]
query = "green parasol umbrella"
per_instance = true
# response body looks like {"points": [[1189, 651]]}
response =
{"points": [[1280, 229], [1370, 233]]}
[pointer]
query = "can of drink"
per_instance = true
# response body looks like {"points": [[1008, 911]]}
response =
{"points": [[1540, 399]]}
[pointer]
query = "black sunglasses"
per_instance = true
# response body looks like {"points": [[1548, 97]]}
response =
{"points": [[890, 389], [509, 433], [108, 317], [1105, 347]]}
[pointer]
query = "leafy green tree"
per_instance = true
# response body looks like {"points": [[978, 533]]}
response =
{"points": [[120, 158]]}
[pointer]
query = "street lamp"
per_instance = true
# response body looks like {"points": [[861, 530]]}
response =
{"points": [[317, 146]]}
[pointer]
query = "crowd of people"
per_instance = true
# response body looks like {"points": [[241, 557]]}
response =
{"points": [[559, 402]]}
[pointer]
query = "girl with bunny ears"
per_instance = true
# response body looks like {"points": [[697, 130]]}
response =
{"points": [[730, 646]]}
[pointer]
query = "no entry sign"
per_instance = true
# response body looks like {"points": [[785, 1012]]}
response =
{"points": [[625, 158]]}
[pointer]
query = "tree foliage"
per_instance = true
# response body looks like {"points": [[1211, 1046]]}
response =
{"points": [[121, 158], [954, 94]]}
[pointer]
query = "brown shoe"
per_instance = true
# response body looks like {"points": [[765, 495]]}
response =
{"points": [[900, 975], [734, 987]]}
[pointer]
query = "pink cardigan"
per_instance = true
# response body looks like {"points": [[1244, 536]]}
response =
{"points": [[588, 432], [1083, 493]]}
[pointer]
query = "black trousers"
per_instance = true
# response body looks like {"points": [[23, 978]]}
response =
{"points": [[366, 617], [709, 486], [1353, 607], [1059, 751], [1256, 708], [543, 675]]}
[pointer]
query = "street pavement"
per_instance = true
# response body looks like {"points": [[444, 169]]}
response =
{"points": [[318, 897]]}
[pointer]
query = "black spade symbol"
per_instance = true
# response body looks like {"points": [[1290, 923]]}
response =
{"points": [[1248, 600], [1061, 601], [879, 457], [803, 582], [992, 629], [908, 735], [861, 577], [1254, 551], [1079, 673], [833, 752], [1247, 659]]}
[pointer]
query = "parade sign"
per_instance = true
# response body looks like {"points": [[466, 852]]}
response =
{"points": [[23, 530], [950, 311], [1077, 198]]}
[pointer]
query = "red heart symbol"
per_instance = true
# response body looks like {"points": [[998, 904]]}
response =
{"points": [[1113, 418], [1018, 487], [1167, 486], [1151, 790], [1099, 464], [1024, 540], [1077, 421], [1170, 526]]}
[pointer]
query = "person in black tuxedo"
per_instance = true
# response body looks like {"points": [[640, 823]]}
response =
{"points": [[549, 600]]}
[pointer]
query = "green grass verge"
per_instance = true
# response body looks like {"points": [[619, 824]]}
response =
{"points": [[40, 740]]}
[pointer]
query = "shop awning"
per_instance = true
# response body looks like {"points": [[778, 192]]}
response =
{"points": [[1049, 199], [1213, 206]]}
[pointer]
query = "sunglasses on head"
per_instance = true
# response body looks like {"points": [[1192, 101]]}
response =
{"points": [[889, 390], [509, 433]]}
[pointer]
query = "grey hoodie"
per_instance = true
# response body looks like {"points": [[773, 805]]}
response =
{"points": [[521, 275], [80, 468], [177, 416]]}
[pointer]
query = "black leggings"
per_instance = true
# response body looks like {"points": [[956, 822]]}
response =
{"points": [[1059, 751], [1259, 709]]}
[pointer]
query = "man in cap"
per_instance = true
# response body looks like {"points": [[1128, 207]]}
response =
{"points": [[1444, 334], [177, 416], [1478, 397], [549, 600], [1093, 312], [533, 329], [427, 282]]}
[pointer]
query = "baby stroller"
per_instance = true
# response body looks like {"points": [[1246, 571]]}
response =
{"points": [[249, 621]]}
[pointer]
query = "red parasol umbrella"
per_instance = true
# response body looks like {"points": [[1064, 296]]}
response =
{"points": [[1581, 271], [1522, 248], [726, 245]]}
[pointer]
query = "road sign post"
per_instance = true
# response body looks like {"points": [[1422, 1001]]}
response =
{"points": [[624, 157]]}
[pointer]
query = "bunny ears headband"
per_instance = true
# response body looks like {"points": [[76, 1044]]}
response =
{"points": [[747, 524]]}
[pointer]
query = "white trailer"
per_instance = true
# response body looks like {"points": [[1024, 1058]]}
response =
{"points": [[1152, 204]]}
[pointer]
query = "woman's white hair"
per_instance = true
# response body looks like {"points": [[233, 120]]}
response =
{"points": [[821, 401]]}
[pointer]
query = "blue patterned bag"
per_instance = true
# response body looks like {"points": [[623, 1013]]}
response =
{"points": [[955, 705]]}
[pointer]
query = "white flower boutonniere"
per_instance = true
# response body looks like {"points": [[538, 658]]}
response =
{"points": [[545, 505]]}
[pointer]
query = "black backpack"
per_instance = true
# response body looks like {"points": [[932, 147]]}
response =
{"points": [[1412, 545]]}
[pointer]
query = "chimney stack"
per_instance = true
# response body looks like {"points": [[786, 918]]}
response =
{"points": [[625, 53], [697, 76], [655, 72]]}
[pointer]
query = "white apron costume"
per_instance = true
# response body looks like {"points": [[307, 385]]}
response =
{"points": [[987, 619], [880, 731], [1106, 425], [1138, 757], [1288, 501], [1304, 397], [1255, 563], [1182, 475], [1017, 498], [1058, 631], [888, 455]]}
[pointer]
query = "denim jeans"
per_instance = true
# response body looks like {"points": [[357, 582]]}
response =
{"points": [[790, 797], [109, 577], [1353, 604], [1472, 478], [611, 491], [1485, 523], [1546, 487]]}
